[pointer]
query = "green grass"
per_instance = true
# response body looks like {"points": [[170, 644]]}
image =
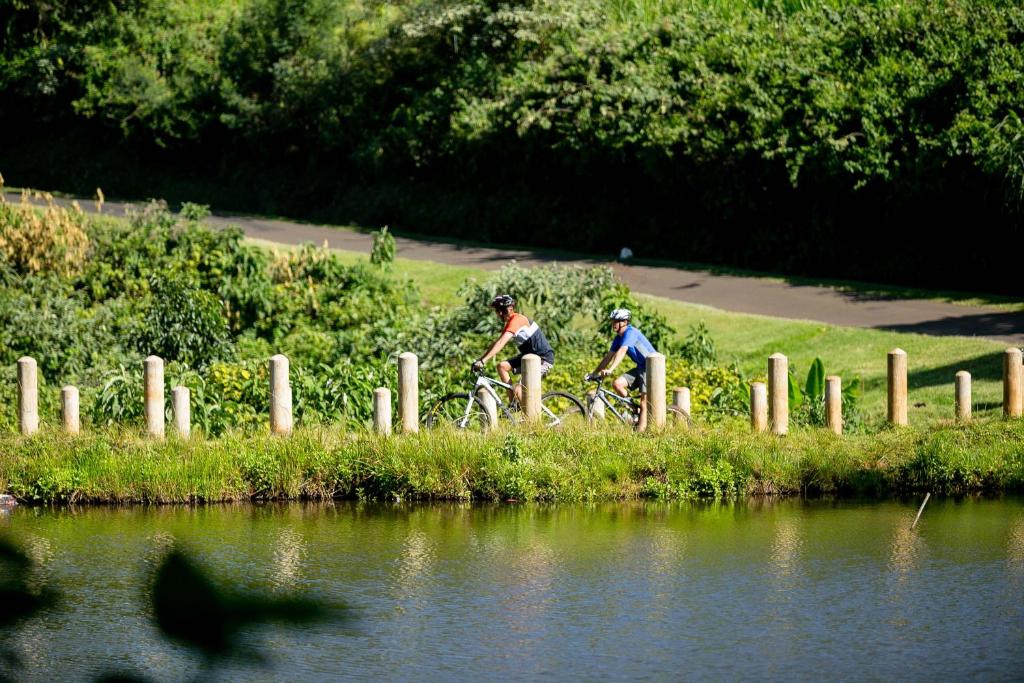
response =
{"points": [[852, 352], [117, 466]]}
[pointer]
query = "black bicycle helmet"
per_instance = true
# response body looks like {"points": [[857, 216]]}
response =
{"points": [[502, 301]]}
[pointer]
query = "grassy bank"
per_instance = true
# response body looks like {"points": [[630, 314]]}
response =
{"points": [[122, 467]]}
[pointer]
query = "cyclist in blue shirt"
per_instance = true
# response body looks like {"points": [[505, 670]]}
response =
{"points": [[628, 340]]}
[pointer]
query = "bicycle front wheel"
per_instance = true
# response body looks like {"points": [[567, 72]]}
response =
{"points": [[559, 409], [460, 411]]}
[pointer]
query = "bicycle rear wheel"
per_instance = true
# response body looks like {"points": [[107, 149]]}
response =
{"points": [[678, 417], [560, 409], [460, 410]]}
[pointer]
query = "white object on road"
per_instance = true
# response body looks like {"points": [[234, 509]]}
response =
{"points": [[625, 253]]}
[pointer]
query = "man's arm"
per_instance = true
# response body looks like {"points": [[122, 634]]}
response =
{"points": [[615, 360], [496, 347], [604, 361]]}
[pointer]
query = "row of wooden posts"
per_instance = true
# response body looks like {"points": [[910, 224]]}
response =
{"points": [[769, 403]]}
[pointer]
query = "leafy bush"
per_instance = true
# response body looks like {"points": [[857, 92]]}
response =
{"points": [[183, 323]]}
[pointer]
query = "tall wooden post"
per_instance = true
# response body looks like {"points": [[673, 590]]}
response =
{"points": [[778, 393], [153, 383], [897, 375], [834, 404], [531, 387], [408, 393], [656, 409], [1012, 401], [280, 396], [963, 396], [28, 395]]}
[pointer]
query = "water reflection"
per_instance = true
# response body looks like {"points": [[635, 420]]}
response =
{"points": [[785, 551], [906, 548], [289, 554], [659, 592]]}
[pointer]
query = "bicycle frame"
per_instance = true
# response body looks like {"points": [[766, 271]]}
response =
{"points": [[488, 384], [603, 394]]}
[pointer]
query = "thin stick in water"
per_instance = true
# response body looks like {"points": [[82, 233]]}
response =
{"points": [[926, 497]]}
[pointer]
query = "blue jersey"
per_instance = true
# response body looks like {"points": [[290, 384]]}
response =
{"points": [[637, 346]]}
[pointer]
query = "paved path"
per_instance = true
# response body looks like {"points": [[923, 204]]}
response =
{"points": [[727, 292]]}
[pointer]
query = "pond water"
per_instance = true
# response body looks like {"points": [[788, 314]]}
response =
{"points": [[773, 589]]}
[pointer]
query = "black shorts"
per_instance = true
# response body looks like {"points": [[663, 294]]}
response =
{"points": [[517, 365]]}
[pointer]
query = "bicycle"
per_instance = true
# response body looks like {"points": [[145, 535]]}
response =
{"points": [[626, 408], [466, 410]]}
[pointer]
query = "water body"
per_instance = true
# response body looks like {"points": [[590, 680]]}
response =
{"points": [[771, 589]]}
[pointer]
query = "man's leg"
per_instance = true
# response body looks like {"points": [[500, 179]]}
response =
{"points": [[505, 375], [642, 425]]}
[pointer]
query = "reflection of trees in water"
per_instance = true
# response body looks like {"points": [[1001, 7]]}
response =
{"points": [[289, 558]]}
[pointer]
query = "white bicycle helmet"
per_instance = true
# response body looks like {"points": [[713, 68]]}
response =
{"points": [[620, 314]]}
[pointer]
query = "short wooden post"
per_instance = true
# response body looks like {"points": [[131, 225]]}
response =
{"points": [[490, 407], [656, 408], [834, 404], [382, 410], [280, 396], [681, 400], [28, 395], [596, 406], [531, 386], [408, 392], [1012, 405], [69, 409], [963, 396], [758, 406], [897, 374], [778, 393], [153, 387], [181, 405]]}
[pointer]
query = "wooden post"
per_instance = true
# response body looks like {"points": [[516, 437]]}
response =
{"points": [[656, 409], [963, 396], [181, 405], [408, 393], [596, 406], [834, 404], [382, 410], [897, 372], [487, 398], [531, 387], [280, 396], [778, 393], [153, 384], [28, 395], [69, 409], [1012, 406], [758, 406], [681, 400]]}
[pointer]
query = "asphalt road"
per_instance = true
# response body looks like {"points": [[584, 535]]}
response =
{"points": [[727, 292]]}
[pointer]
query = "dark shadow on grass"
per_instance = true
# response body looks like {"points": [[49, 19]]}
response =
{"points": [[985, 367], [1009, 325]]}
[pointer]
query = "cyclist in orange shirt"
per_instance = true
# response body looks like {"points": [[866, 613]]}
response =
{"points": [[528, 336]]}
